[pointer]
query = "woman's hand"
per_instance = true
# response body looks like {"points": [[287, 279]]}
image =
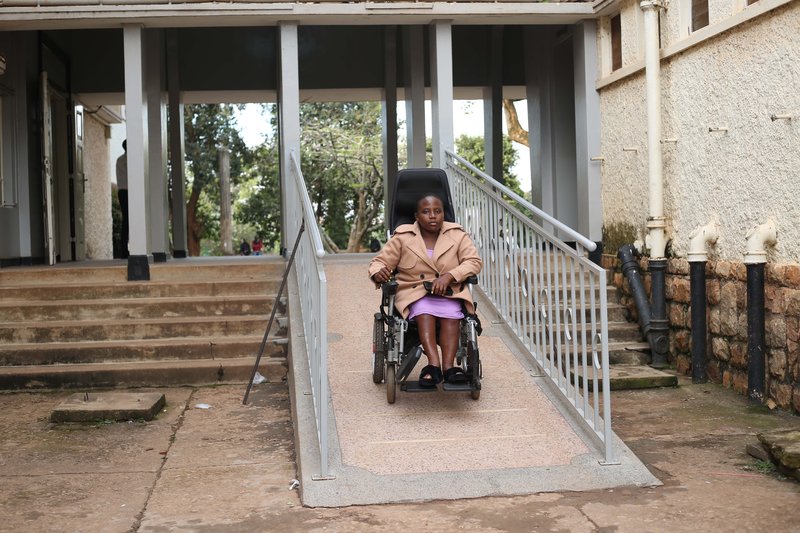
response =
{"points": [[441, 284], [383, 275]]}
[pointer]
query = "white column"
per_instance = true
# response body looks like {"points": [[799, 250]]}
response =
{"points": [[289, 130], [415, 96], [587, 130], [177, 152], [442, 89], [158, 203], [656, 222], [136, 130]]}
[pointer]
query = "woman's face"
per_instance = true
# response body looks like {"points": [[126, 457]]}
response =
{"points": [[430, 214]]}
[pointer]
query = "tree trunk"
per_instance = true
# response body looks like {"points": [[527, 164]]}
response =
{"points": [[515, 131], [193, 226]]}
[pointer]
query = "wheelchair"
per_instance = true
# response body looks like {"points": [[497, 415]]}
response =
{"points": [[396, 346]]}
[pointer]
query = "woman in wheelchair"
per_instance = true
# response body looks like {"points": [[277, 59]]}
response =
{"points": [[431, 259]]}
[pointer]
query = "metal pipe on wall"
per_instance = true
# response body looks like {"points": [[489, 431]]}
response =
{"points": [[656, 222], [699, 239], [755, 258]]}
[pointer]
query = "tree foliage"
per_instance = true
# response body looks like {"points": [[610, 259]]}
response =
{"points": [[341, 160], [208, 127], [472, 148], [258, 203]]}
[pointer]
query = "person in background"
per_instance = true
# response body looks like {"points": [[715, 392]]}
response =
{"points": [[244, 248], [257, 245], [122, 196]]}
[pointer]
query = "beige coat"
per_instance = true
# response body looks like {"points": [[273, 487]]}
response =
{"points": [[405, 252]]}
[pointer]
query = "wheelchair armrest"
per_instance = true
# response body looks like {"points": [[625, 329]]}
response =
{"points": [[472, 280], [389, 288]]}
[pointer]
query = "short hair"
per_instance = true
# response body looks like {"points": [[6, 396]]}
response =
{"points": [[425, 195]]}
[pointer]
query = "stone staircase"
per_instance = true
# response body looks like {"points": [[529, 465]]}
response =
{"points": [[197, 321], [629, 355]]}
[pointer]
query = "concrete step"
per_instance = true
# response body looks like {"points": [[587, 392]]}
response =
{"points": [[624, 377], [617, 331], [150, 289], [134, 308], [629, 353], [184, 349], [140, 374], [616, 312], [175, 270], [137, 328]]}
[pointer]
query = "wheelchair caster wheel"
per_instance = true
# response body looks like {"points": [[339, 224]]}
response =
{"points": [[475, 395], [391, 384]]}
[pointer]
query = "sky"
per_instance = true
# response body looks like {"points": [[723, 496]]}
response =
{"points": [[467, 119]]}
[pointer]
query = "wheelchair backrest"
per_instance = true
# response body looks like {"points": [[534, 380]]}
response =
{"points": [[411, 185]]}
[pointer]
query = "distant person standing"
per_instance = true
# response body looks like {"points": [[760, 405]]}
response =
{"points": [[257, 245], [122, 195]]}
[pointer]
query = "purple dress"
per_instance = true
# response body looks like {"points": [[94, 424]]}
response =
{"points": [[438, 306]]}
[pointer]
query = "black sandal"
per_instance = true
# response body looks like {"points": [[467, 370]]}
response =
{"points": [[455, 375], [430, 376]]}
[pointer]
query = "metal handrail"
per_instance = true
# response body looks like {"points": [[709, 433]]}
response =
{"points": [[550, 294], [308, 208], [313, 295], [584, 241]]}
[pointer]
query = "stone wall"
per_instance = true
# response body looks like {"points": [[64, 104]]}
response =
{"points": [[726, 293]]}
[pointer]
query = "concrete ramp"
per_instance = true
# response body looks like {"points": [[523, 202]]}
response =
{"points": [[516, 439]]}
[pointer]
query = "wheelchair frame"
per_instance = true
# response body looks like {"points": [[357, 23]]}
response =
{"points": [[393, 360]]}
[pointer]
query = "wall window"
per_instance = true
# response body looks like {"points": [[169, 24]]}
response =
{"points": [[616, 42], [699, 14]]}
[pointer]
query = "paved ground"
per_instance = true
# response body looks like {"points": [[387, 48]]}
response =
{"points": [[229, 467]]}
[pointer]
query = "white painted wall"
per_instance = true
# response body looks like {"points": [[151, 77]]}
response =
{"points": [[98, 172], [735, 80]]}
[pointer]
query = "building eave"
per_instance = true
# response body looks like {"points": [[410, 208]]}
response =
{"points": [[17, 16]]}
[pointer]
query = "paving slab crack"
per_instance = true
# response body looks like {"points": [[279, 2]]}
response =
{"points": [[137, 523]]}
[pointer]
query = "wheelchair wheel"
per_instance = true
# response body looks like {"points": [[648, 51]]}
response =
{"points": [[391, 384], [474, 363], [378, 350]]}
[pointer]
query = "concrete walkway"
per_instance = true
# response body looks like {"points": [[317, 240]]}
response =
{"points": [[431, 446], [210, 464]]}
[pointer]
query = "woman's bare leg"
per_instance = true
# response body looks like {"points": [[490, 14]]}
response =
{"points": [[426, 325], [448, 340]]}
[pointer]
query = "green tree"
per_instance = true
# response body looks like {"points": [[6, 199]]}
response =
{"points": [[472, 148], [207, 127], [258, 199], [342, 159]]}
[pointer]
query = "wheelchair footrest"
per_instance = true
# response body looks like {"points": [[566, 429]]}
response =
{"points": [[413, 386], [459, 387]]}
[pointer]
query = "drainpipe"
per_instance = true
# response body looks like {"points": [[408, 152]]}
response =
{"points": [[656, 222], [755, 258], [699, 240], [630, 267]]}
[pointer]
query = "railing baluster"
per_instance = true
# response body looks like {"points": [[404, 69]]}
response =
{"points": [[538, 285]]}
